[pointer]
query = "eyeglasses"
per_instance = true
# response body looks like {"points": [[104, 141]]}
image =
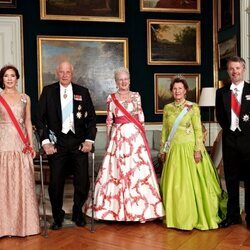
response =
{"points": [[124, 79], [68, 73]]}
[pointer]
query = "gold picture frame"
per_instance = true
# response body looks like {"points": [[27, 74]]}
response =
{"points": [[162, 93], [8, 3], [173, 42], [191, 6], [75, 10], [94, 59]]}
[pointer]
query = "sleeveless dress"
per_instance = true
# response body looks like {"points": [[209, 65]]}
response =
{"points": [[126, 187], [191, 192], [18, 203]]}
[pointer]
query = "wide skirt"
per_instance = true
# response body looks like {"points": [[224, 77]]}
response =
{"points": [[126, 188], [191, 192]]}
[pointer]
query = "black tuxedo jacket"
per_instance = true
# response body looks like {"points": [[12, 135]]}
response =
{"points": [[49, 115], [223, 108]]}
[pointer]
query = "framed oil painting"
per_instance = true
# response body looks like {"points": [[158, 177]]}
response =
{"points": [[162, 91], [225, 14], [227, 48], [8, 3], [191, 6], [94, 59], [173, 42], [78, 10]]}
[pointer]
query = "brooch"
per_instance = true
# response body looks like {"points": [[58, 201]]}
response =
{"points": [[78, 97], [247, 97], [79, 107], [85, 114], [23, 100], [245, 118], [189, 106], [79, 115]]}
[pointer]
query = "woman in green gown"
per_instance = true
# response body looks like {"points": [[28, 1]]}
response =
{"points": [[189, 183]]}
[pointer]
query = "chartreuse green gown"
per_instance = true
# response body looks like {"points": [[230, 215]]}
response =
{"points": [[191, 191]]}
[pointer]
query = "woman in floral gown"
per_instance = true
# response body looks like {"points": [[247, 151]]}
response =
{"points": [[18, 204], [126, 188], [189, 183]]}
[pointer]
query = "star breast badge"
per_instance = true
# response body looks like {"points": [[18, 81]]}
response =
{"points": [[79, 115], [245, 118]]}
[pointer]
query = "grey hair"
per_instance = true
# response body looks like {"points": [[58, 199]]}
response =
{"points": [[71, 65], [237, 59], [121, 70]]}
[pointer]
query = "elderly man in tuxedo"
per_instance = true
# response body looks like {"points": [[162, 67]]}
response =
{"points": [[233, 115], [66, 122]]}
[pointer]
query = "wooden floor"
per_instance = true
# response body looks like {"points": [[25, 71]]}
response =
{"points": [[151, 235]]}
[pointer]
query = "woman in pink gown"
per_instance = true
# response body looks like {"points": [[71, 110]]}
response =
{"points": [[18, 204], [126, 188]]}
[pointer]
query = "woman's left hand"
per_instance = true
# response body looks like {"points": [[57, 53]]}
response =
{"points": [[33, 154], [197, 156]]}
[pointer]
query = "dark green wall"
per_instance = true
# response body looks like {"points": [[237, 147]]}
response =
{"points": [[142, 75]]}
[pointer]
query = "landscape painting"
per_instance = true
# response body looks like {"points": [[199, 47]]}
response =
{"points": [[174, 42]]}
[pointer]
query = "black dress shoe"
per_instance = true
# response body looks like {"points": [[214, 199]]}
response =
{"points": [[228, 222], [80, 223], [56, 225], [79, 220]]}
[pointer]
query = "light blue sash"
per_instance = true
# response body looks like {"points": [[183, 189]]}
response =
{"points": [[67, 111], [175, 126]]}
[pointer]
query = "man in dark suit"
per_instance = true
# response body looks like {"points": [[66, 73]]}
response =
{"points": [[233, 115], [66, 122]]}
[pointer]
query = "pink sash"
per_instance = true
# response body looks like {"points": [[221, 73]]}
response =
{"points": [[123, 119], [25, 140], [133, 120]]}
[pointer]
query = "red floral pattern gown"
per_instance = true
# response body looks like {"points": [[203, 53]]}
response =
{"points": [[126, 187]]}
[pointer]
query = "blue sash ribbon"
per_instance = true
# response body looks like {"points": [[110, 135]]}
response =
{"points": [[175, 126]]}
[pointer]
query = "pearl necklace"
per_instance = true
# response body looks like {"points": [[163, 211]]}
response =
{"points": [[123, 96], [123, 93]]}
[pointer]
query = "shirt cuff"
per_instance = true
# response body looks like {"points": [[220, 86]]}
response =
{"points": [[46, 141], [90, 140]]}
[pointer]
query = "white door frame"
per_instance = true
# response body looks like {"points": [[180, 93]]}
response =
{"points": [[11, 44]]}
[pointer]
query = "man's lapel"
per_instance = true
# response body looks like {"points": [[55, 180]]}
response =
{"points": [[244, 102], [227, 102], [58, 102]]}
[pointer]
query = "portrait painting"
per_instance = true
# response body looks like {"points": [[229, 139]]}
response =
{"points": [[162, 91], [173, 42], [94, 61], [191, 6], [83, 10]]}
